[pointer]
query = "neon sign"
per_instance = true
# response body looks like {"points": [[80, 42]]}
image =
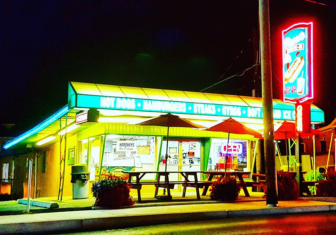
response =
{"points": [[297, 58], [231, 148], [302, 120]]}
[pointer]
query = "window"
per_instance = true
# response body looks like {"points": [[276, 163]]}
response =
{"points": [[44, 162], [232, 155], [127, 153], [5, 172], [303, 147], [323, 145]]}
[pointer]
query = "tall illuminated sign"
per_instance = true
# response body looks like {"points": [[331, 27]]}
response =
{"points": [[297, 58]]}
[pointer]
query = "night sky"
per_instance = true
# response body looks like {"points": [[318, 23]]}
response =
{"points": [[183, 45]]}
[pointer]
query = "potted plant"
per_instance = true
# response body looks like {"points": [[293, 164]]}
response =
{"points": [[288, 188], [112, 192], [225, 189], [310, 177]]}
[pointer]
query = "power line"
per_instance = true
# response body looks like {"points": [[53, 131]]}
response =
{"points": [[319, 3], [225, 79], [237, 57]]}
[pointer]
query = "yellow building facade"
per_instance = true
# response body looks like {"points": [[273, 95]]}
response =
{"points": [[99, 127]]}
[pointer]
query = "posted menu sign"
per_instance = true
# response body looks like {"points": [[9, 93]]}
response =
{"points": [[297, 52]]}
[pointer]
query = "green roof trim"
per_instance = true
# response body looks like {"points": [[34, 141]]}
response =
{"points": [[38, 128]]}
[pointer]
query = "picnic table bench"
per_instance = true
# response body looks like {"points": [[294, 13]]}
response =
{"points": [[166, 183], [262, 182], [238, 174], [258, 180]]}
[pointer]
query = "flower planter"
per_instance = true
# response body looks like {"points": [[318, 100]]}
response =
{"points": [[288, 188], [327, 188], [112, 192], [225, 189]]}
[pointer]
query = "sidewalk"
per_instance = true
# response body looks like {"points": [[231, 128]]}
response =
{"points": [[149, 213]]}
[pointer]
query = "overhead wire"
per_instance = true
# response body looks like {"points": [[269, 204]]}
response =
{"points": [[236, 75], [319, 3], [225, 79], [237, 57]]}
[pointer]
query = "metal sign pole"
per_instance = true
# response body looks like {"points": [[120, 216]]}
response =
{"points": [[30, 168]]}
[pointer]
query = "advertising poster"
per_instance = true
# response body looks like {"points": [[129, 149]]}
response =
{"points": [[126, 146], [117, 171], [297, 63], [172, 150], [71, 156], [144, 150]]}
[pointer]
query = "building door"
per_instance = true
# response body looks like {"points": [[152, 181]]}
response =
{"points": [[183, 155]]}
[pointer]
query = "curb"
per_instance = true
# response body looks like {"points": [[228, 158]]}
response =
{"points": [[48, 205], [114, 222]]}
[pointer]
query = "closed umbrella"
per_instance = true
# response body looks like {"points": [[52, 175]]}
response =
{"points": [[313, 132], [232, 126], [285, 131], [169, 120]]}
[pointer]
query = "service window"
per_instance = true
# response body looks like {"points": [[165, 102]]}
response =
{"points": [[129, 153]]}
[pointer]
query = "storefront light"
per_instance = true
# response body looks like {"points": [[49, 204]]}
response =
{"points": [[38, 128], [114, 136], [121, 120], [256, 127], [84, 141], [46, 140], [135, 113], [200, 117], [68, 129]]}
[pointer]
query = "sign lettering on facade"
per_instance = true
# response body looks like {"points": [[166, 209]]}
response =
{"points": [[302, 121], [132, 104]]}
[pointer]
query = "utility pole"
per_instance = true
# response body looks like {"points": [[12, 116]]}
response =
{"points": [[267, 104]]}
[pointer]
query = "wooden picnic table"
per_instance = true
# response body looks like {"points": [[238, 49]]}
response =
{"points": [[238, 174], [165, 183], [303, 185]]}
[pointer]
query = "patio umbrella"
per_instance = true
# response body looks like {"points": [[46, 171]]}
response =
{"points": [[285, 131], [232, 126], [169, 120]]}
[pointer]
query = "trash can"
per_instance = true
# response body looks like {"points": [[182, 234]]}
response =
{"points": [[79, 179]]}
